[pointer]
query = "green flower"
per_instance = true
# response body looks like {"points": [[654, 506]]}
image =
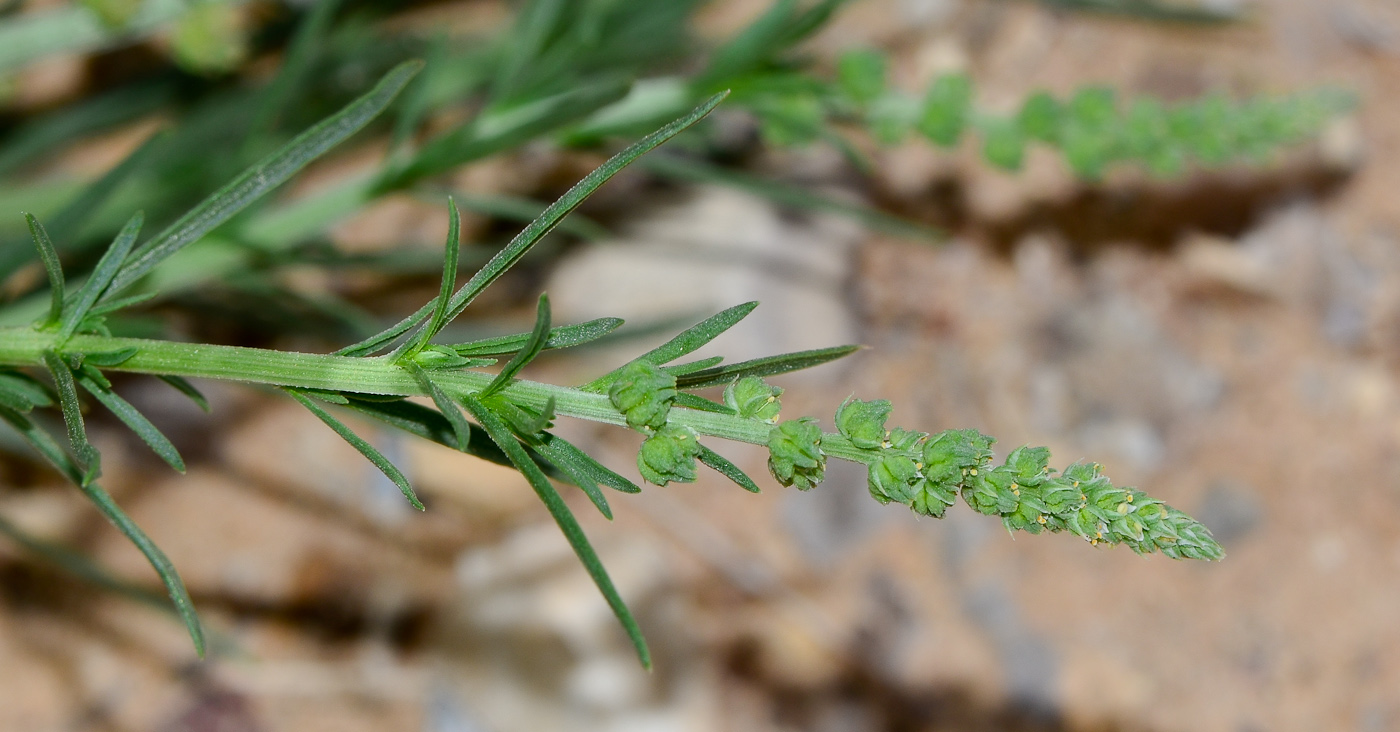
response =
{"points": [[794, 453], [863, 423], [669, 455], [754, 398], [643, 393]]}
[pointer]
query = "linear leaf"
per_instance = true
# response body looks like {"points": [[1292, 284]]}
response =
{"points": [[559, 451], [188, 389], [427, 423], [768, 366], [682, 369], [49, 256], [691, 401], [502, 436], [85, 455], [460, 427], [359, 443], [530, 428], [267, 174], [486, 136], [525, 355], [157, 559], [45, 445], [531, 234], [546, 222], [565, 336], [24, 391], [382, 339], [132, 418], [727, 469], [121, 303], [101, 276], [685, 342], [449, 281]]}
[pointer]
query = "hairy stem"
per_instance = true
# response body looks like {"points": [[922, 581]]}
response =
{"points": [[24, 346]]}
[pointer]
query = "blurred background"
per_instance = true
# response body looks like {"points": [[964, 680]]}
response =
{"points": [[1213, 315]]}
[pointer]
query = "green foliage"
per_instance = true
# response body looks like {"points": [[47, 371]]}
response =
{"points": [[535, 90]]}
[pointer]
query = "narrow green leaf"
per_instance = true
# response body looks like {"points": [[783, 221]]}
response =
{"points": [[381, 340], [686, 342], [359, 443], [85, 455], [581, 474], [132, 418], [460, 427], [526, 423], [524, 210], [536, 230], [764, 367], [691, 401], [525, 355], [556, 449], [49, 256], [502, 436], [682, 369], [108, 359], [772, 33], [449, 281], [120, 303], [530, 429], [45, 445], [565, 336], [188, 389], [157, 559], [486, 136], [24, 390], [101, 276], [267, 174], [551, 217], [426, 423], [727, 469]]}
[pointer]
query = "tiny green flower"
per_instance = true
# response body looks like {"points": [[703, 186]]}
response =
{"points": [[669, 455], [863, 423], [794, 453], [754, 398], [643, 393], [892, 478]]}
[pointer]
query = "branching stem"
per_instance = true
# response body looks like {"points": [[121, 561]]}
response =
{"points": [[24, 346]]}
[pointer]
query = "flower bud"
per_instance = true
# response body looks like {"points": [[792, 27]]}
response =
{"points": [[669, 455], [754, 398], [794, 453], [643, 393], [863, 423]]}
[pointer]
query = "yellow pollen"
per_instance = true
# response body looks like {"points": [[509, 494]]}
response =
{"points": [[1040, 519], [1076, 484], [974, 471], [918, 466]]}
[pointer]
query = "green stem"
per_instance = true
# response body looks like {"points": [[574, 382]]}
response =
{"points": [[24, 346]]}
